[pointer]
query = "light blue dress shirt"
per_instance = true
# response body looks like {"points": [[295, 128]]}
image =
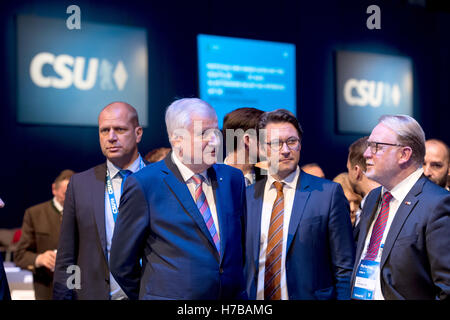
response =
{"points": [[116, 292]]}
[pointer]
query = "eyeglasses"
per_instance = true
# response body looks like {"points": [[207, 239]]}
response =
{"points": [[277, 145], [374, 145]]}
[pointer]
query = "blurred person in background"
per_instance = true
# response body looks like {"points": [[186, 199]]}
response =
{"points": [[360, 183], [437, 162], [36, 250], [353, 198], [241, 144]]}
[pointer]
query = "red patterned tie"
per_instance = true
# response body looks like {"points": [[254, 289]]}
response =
{"points": [[378, 228], [203, 207], [272, 276]]}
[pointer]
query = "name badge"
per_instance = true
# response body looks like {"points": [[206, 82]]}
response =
{"points": [[365, 280]]}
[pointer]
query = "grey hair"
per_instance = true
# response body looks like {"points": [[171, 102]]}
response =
{"points": [[409, 133], [179, 113]]}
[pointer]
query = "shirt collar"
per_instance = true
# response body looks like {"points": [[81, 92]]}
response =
{"points": [[57, 205], [289, 182], [400, 191], [114, 170], [186, 173], [251, 176]]}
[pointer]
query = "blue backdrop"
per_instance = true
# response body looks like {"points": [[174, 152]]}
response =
{"points": [[32, 155]]}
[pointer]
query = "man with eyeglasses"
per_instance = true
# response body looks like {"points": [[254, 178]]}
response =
{"points": [[403, 250], [299, 243]]}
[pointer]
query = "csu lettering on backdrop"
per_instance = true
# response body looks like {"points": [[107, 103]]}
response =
{"points": [[71, 70], [373, 93]]}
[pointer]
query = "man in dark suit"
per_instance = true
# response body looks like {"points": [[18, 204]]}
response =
{"points": [[183, 217], [299, 236], [240, 138], [90, 210], [403, 250], [39, 240]]}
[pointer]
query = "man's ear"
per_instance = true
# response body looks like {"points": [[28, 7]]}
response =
{"points": [[359, 172], [53, 188], [138, 131], [246, 139], [406, 154]]}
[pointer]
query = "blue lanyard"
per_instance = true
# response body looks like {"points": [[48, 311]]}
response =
{"points": [[110, 190]]}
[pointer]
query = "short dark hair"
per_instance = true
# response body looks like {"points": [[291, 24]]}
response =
{"points": [[64, 175], [277, 116], [241, 118], [356, 153]]}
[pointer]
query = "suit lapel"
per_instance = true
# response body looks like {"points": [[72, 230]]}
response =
{"points": [[404, 210], [301, 197], [219, 196], [254, 210], [175, 182], [98, 199]]}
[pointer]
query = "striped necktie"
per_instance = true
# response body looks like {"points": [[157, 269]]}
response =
{"points": [[378, 228], [272, 275], [203, 207]]}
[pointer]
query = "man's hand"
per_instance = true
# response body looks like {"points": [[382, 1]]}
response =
{"points": [[46, 259]]}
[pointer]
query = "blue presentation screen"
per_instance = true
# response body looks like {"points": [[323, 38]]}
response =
{"points": [[65, 77], [369, 86], [236, 73]]}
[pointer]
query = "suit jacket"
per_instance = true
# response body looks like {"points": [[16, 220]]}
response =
{"points": [[40, 232], [415, 262], [320, 248], [4, 288], [160, 223], [83, 238]]}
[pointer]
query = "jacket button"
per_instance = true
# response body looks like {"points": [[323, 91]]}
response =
{"points": [[107, 280], [221, 270]]}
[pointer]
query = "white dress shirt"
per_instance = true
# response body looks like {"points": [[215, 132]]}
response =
{"points": [[270, 194], [359, 211], [187, 174], [116, 292], [399, 193], [57, 205]]}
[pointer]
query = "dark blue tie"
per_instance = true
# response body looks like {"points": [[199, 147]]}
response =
{"points": [[124, 174]]}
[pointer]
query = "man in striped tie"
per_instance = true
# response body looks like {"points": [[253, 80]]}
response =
{"points": [[299, 239], [183, 216], [403, 249]]}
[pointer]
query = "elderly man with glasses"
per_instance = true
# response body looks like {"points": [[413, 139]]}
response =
{"points": [[403, 249], [299, 243]]}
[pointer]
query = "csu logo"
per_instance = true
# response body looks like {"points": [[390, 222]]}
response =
{"points": [[71, 71], [363, 92]]}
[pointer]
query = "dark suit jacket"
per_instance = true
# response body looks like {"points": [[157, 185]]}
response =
{"points": [[160, 223], [415, 263], [83, 238], [4, 288], [40, 232], [320, 247]]}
